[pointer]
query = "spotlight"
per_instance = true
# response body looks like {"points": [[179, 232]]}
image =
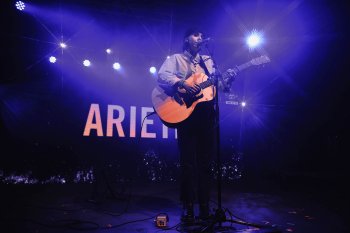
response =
{"points": [[152, 70], [63, 45], [86, 63], [116, 66], [52, 59], [254, 39], [109, 51], [20, 5], [167, 57], [243, 104]]}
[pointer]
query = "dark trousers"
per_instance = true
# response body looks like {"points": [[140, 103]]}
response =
{"points": [[196, 146]]}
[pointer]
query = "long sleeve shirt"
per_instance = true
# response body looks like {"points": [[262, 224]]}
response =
{"points": [[181, 66]]}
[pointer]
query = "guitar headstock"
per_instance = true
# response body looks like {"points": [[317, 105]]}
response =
{"points": [[260, 60]]}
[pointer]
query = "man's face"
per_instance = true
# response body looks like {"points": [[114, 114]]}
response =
{"points": [[194, 40]]}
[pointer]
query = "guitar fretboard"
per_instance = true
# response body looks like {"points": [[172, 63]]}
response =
{"points": [[206, 83], [244, 66], [237, 69]]}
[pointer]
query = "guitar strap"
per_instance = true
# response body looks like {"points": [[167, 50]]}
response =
{"points": [[202, 64]]}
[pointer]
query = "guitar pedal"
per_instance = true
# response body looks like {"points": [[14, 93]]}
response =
{"points": [[162, 220]]}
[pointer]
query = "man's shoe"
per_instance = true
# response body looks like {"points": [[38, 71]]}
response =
{"points": [[187, 216], [204, 212]]}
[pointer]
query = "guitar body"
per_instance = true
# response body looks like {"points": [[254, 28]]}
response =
{"points": [[178, 106]]}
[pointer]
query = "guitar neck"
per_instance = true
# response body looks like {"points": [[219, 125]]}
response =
{"points": [[206, 83], [255, 61], [243, 66]]}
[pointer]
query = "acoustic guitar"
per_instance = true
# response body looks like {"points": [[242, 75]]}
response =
{"points": [[176, 106]]}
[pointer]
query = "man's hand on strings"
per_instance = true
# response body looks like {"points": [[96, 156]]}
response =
{"points": [[190, 89]]}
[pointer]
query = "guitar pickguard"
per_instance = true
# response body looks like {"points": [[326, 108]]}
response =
{"points": [[189, 100]]}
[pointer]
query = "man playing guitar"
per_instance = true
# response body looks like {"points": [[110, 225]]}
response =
{"points": [[181, 77], [184, 99]]}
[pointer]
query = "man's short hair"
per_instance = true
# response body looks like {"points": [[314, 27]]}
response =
{"points": [[188, 32], [191, 31]]}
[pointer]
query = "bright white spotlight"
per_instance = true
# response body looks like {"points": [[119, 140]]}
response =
{"points": [[167, 57], [109, 51], [20, 5], [63, 45], [152, 70], [254, 39], [243, 104], [116, 66], [86, 63], [52, 59]]}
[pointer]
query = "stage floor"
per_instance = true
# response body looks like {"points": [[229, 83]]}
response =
{"points": [[132, 207]]}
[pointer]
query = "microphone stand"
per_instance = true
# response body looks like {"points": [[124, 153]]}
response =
{"points": [[220, 216]]}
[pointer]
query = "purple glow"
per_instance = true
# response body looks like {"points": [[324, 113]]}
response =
{"points": [[84, 176], [19, 179], [286, 27], [153, 168], [55, 180]]}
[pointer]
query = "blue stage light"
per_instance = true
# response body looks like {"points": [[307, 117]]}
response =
{"points": [[254, 39], [86, 63], [20, 5], [63, 45], [52, 59], [153, 70], [116, 66]]}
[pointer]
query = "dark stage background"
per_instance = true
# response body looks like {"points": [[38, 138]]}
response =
{"points": [[296, 121]]}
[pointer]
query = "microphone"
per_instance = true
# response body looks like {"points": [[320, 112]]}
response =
{"points": [[205, 41]]}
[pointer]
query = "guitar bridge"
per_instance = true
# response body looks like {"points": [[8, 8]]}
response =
{"points": [[178, 99]]}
